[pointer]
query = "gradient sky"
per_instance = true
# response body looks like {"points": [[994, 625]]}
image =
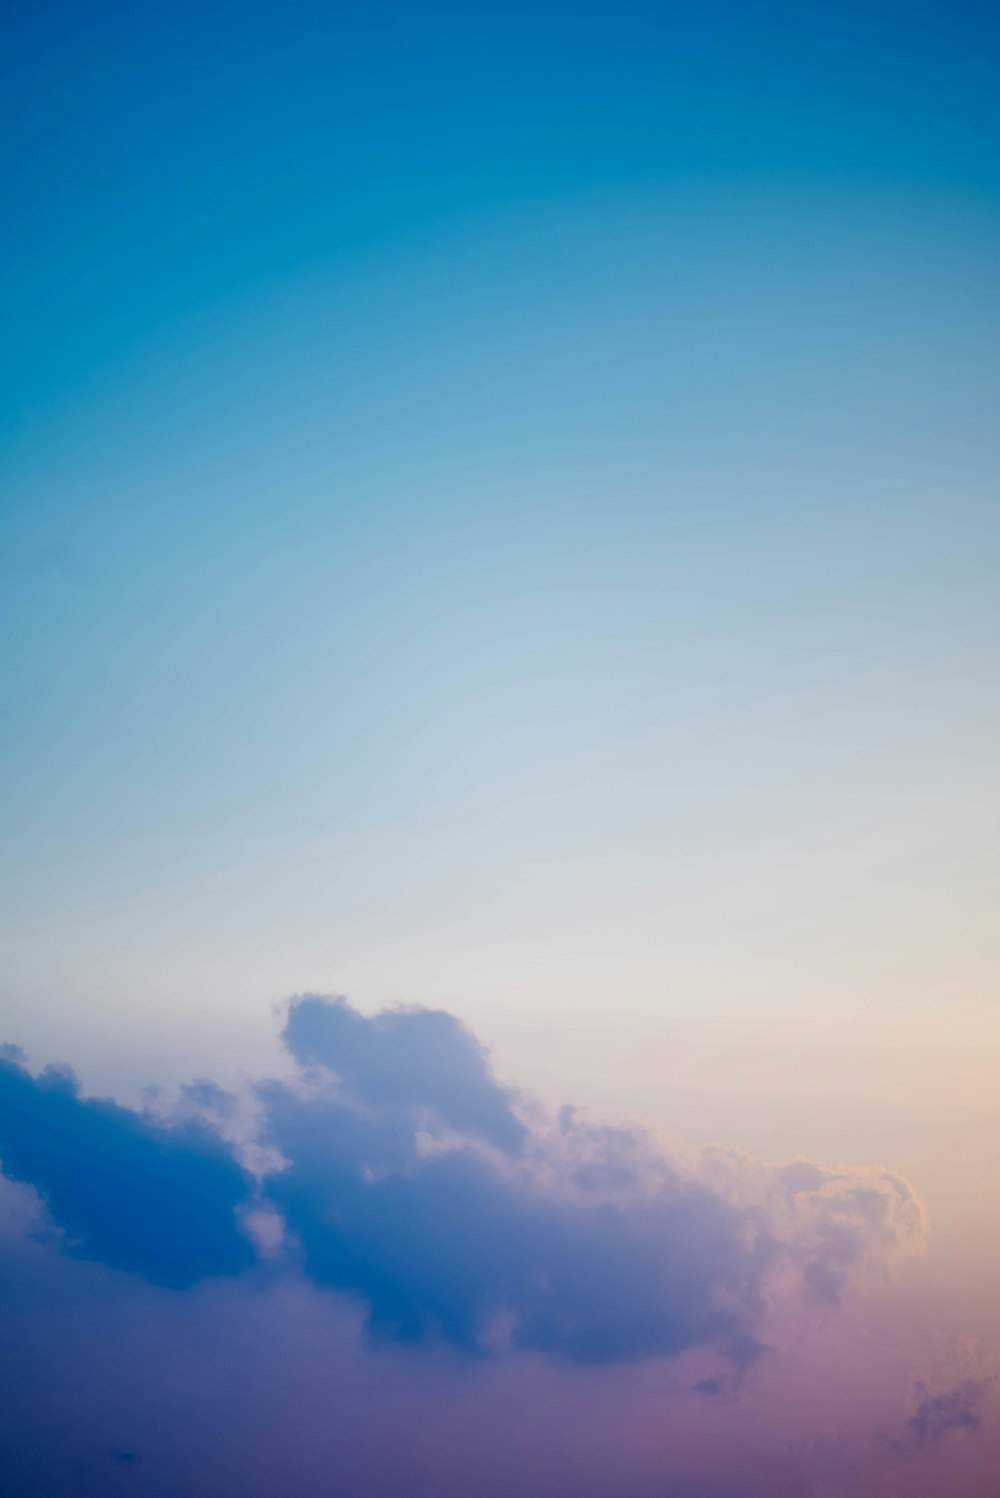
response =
{"points": [[499, 512]]}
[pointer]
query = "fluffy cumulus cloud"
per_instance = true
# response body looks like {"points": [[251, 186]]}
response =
{"points": [[121, 1188], [388, 1216], [412, 1179]]}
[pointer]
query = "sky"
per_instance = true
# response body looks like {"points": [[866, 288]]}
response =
{"points": [[499, 533]]}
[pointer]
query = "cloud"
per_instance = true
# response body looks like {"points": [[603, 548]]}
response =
{"points": [[453, 1242], [833, 1225], [416, 1182], [207, 1097], [392, 1167], [124, 1189], [403, 1062], [411, 1183], [959, 1408]]}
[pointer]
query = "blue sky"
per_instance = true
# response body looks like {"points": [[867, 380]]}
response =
{"points": [[164, 163]]}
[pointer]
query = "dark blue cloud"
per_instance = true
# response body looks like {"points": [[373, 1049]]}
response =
{"points": [[578, 1242], [450, 1244], [125, 1189]]}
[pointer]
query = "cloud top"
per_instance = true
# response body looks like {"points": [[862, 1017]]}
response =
{"points": [[405, 1062]]}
